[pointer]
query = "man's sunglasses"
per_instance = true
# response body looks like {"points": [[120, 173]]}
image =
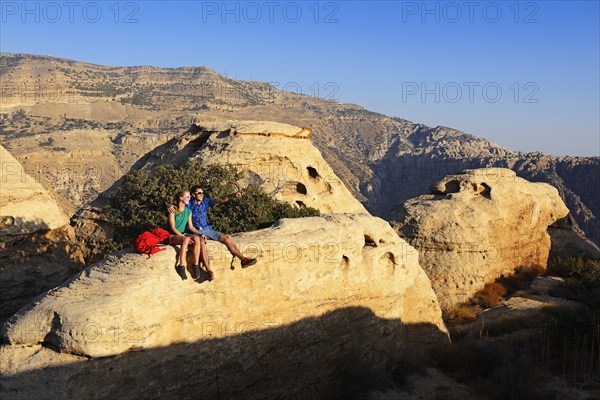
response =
{"points": [[198, 192]]}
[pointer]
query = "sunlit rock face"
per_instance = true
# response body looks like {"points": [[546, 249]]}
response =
{"points": [[476, 226], [280, 158], [329, 295], [38, 249]]}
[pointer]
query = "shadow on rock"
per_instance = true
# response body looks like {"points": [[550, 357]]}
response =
{"points": [[314, 358]]}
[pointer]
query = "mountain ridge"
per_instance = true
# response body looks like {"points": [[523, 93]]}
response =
{"points": [[383, 160]]}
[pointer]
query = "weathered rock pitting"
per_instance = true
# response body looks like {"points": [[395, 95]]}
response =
{"points": [[279, 158], [477, 226]]}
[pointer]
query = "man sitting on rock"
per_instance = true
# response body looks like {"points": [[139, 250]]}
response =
{"points": [[199, 206]]}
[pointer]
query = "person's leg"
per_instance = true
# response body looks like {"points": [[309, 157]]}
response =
{"points": [[197, 249], [181, 256], [227, 241], [197, 252], [204, 254], [183, 252], [182, 243], [233, 249]]}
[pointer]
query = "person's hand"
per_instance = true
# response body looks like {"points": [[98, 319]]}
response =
{"points": [[190, 241], [171, 209]]}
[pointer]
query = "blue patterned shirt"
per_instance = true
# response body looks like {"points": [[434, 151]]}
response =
{"points": [[199, 219]]}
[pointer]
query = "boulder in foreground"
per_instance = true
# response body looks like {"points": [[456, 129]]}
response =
{"points": [[330, 296]]}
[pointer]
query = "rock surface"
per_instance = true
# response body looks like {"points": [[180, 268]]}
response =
{"points": [[38, 249], [25, 206], [570, 241], [328, 294], [477, 226], [279, 158]]}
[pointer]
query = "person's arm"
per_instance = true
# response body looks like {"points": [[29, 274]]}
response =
{"points": [[192, 228], [171, 207], [225, 199]]}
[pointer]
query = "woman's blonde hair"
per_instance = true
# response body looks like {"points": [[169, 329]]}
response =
{"points": [[177, 196]]}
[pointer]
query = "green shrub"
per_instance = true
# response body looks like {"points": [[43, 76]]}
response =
{"points": [[140, 203]]}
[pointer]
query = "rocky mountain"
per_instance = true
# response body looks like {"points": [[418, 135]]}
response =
{"points": [[382, 160]]}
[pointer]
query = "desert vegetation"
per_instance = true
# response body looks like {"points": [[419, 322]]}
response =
{"points": [[140, 202]]}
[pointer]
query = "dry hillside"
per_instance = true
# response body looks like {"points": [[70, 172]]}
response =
{"points": [[93, 122]]}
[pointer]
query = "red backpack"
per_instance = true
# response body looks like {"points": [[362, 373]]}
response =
{"points": [[147, 242]]}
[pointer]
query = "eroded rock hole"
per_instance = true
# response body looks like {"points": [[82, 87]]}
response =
{"points": [[452, 187], [300, 204], [389, 257], [300, 188], [345, 263], [369, 241], [312, 172], [487, 191], [388, 262]]}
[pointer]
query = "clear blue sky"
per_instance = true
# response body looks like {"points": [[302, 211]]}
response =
{"points": [[523, 74]]}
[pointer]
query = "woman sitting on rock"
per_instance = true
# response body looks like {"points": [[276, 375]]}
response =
{"points": [[179, 222]]}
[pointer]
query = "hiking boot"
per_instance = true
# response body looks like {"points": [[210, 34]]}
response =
{"points": [[211, 275], [246, 262], [196, 271], [181, 272]]}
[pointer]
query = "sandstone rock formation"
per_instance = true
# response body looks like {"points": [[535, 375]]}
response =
{"points": [[277, 157], [330, 295], [78, 164], [37, 246], [477, 226], [21, 195]]}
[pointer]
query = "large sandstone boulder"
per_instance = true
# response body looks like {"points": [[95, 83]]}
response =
{"points": [[330, 295], [279, 158], [477, 226], [37, 246], [25, 206]]}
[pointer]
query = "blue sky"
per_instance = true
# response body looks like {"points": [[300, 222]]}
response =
{"points": [[523, 74]]}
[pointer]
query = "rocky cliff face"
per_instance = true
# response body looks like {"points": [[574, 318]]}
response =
{"points": [[330, 296], [477, 226], [38, 249], [78, 164]]}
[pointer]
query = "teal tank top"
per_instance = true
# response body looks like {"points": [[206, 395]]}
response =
{"points": [[181, 220]]}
